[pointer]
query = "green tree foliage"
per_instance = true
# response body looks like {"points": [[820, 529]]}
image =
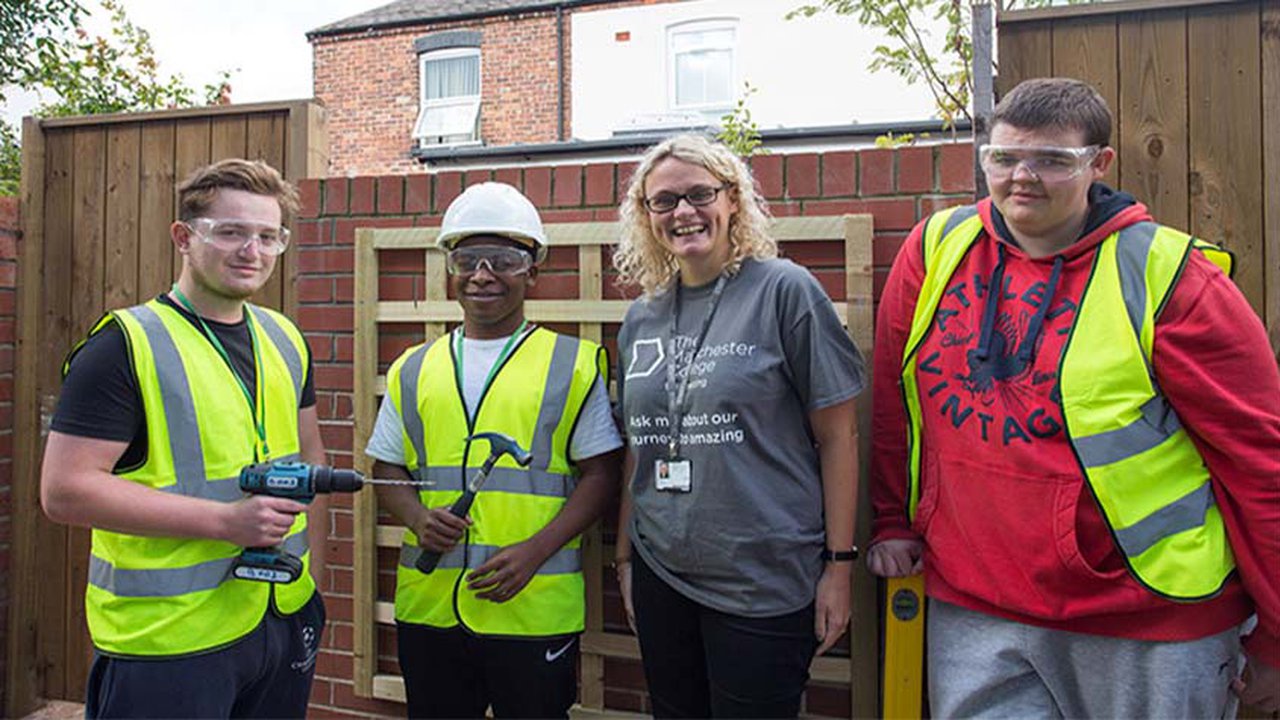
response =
{"points": [[32, 37], [82, 73], [913, 53], [738, 131]]}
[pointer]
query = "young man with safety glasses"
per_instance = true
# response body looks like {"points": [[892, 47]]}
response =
{"points": [[1075, 430], [161, 407], [496, 622]]}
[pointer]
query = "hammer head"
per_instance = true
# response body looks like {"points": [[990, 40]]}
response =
{"points": [[500, 444]]}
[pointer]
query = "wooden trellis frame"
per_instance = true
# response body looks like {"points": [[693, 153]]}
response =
{"points": [[590, 311]]}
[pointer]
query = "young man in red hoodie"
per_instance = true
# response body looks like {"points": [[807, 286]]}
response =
{"points": [[1077, 417]]}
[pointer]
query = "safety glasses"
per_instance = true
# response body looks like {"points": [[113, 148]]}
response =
{"points": [[499, 260], [234, 235], [1046, 164]]}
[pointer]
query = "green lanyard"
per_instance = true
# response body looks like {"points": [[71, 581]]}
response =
{"points": [[256, 409], [502, 357]]}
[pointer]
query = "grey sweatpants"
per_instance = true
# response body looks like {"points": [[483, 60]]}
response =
{"points": [[989, 667]]}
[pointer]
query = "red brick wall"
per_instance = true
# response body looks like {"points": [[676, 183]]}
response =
{"points": [[898, 187], [8, 283], [369, 83]]}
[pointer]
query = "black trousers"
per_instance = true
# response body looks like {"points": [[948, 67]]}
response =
{"points": [[454, 674], [265, 674], [700, 662]]}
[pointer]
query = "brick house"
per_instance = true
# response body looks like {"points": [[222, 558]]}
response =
{"points": [[436, 81]]}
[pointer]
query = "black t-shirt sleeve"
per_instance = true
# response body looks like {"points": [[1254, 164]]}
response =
{"points": [[309, 387], [99, 394]]}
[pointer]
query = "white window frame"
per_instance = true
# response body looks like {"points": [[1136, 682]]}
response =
{"points": [[466, 107], [697, 26]]}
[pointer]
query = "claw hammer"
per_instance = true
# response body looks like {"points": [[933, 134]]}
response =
{"points": [[499, 445]]}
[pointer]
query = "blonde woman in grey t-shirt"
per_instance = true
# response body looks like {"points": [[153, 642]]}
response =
{"points": [[735, 538]]}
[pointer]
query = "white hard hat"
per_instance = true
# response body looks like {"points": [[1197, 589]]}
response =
{"points": [[493, 208]]}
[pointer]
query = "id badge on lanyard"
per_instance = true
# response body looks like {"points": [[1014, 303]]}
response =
{"points": [[673, 472]]}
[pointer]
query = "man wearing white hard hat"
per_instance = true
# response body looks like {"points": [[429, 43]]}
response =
{"points": [[496, 623]]}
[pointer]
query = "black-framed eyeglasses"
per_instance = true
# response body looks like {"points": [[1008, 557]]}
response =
{"points": [[500, 260], [697, 196]]}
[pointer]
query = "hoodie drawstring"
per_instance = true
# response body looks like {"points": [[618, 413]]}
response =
{"points": [[1037, 321], [994, 290]]}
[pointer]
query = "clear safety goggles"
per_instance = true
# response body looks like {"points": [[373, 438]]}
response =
{"points": [[499, 260], [1046, 164], [234, 235]]}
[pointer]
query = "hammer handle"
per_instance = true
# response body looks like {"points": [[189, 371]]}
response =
{"points": [[428, 560]]}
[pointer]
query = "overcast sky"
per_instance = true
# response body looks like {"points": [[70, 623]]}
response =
{"points": [[263, 41]]}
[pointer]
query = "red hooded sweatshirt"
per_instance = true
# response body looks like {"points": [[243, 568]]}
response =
{"points": [[1009, 524]]}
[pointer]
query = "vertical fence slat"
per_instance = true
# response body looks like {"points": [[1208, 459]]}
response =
{"points": [[1152, 130], [1026, 51], [365, 509], [88, 288], [22, 678], [264, 140], [155, 209], [1085, 49], [863, 640], [120, 282], [56, 281], [591, 287], [1225, 127], [190, 151]]}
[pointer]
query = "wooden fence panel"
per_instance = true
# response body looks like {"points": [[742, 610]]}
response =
{"points": [[1152, 134], [99, 195], [1197, 83], [1225, 130]]}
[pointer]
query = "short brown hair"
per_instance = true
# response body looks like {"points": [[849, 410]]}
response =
{"points": [[196, 193], [1064, 103]]}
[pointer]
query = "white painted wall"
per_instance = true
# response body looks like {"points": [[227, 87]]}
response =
{"points": [[808, 71]]}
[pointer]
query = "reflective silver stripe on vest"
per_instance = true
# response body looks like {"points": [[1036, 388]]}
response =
{"points": [[1186, 513], [1157, 424], [409, 412], [554, 397], [179, 408], [503, 479], [284, 346], [1133, 245], [173, 582], [956, 218], [566, 560], [158, 582]]}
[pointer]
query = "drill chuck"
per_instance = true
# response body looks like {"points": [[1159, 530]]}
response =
{"points": [[326, 479]]}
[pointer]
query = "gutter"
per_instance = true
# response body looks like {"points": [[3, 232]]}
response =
{"points": [[635, 143]]}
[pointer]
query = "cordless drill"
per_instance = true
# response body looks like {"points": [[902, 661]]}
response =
{"points": [[295, 481]]}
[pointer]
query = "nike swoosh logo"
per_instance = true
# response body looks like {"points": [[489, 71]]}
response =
{"points": [[553, 656]]}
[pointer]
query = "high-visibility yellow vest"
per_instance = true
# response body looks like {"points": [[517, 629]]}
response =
{"points": [[1146, 474], [155, 596], [535, 398]]}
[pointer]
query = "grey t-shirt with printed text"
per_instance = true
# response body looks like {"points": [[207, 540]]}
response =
{"points": [[747, 538]]}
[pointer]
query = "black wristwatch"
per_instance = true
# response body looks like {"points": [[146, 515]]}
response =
{"points": [[829, 555]]}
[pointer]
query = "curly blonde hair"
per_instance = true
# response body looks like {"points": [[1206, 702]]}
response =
{"points": [[644, 261]]}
